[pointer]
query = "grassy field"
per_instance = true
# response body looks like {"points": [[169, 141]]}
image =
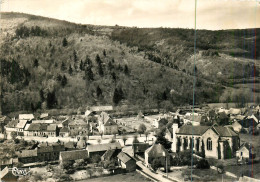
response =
{"points": [[128, 177]]}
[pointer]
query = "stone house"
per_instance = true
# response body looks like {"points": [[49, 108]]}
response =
{"points": [[106, 125], [126, 162], [41, 130], [217, 141], [73, 155]]}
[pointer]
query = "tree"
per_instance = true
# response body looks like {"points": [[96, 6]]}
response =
{"points": [[98, 60], [100, 70], [36, 63], [124, 139], [156, 163], [202, 164], [126, 71], [104, 53], [63, 66], [51, 100], [13, 135], [135, 139], [99, 91], [75, 57], [141, 129], [81, 66], [89, 74], [64, 81], [146, 135], [41, 95], [64, 42], [70, 70]]}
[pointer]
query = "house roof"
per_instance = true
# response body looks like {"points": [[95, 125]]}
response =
{"points": [[37, 127], [88, 112], [234, 111], [225, 131], [79, 122], [104, 117], [70, 145], [49, 121], [12, 124], [27, 153], [109, 122], [108, 154], [26, 116], [248, 146], [21, 124], [103, 147], [124, 157], [44, 115], [51, 127], [141, 147], [246, 123], [157, 150], [74, 155], [101, 108], [195, 130], [64, 129], [4, 119]]}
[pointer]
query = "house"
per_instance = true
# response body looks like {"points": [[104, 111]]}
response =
{"points": [[246, 151], [73, 155], [106, 125], [64, 132], [4, 120], [28, 117], [139, 148], [78, 124], [237, 126], [159, 122], [70, 146], [27, 156], [6, 175], [101, 108], [8, 162], [100, 149], [109, 154], [126, 162], [248, 122], [156, 151], [41, 130], [234, 111], [218, 142], [49, 152]]}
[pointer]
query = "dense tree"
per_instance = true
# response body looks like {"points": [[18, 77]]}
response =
{"points": [[126, 71], [64, 42], [141, 129], [70, 70], [75, 56], [104, 53], [89, 74], [118, 95], [113, 75], [98, 60], [64, 81], [98, 91], [51, 100], [36, 63], [100, 70], [63, 66], [81, 65]]}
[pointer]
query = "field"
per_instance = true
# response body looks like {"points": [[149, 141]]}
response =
{"points": [[131, 123], [128, 177]]}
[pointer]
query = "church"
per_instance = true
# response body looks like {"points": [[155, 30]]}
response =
{"points": [[217, 142]]}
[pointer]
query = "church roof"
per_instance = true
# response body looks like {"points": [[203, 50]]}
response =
{"points": [[195, 130]]}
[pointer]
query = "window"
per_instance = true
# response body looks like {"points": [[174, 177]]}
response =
{"points": [[209, 144]]}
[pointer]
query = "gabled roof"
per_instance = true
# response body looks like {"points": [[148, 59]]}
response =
{"points": [[37, 127], [51, 127], [248, 146], [88, 112], [124, 157], [21, 124], [104, 117], [64, 129], [108, 154], [109, 122], [156, 150], [44, 115], [225, 131], [103, 147], [26, 116], [49, 121], [78, 122], [246, 123], [27, 153], [101, 108], [74, 155], [192, 130], [12, 124]]}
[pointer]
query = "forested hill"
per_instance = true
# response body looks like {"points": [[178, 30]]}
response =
{"points": [[48, 63]]}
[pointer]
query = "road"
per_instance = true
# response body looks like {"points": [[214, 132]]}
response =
{"points": [[154, 175]]}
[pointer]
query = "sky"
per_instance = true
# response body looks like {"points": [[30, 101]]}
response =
{"points": [[211, 14]]}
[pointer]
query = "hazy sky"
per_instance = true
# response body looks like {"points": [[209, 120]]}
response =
{"points": [[211, 14]]}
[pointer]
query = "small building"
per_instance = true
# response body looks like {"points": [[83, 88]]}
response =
{"points": [[100, 149], [109, 154], [157, 151], [106, 125], [77, 124], [6, 175], [246, 151], [139, 148], [8, 162], [27, 156], [41, 130], [64, 132], [27, 117], [126, 162], [73, 155]]}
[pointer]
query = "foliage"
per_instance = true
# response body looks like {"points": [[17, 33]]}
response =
{"points": [[141, 129], [156, 163], [202, 164]]}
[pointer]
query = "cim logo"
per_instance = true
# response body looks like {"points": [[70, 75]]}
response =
{"points": [[20, 172]]}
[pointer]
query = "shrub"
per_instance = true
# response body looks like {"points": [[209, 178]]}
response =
{"points": [[202, 164]]}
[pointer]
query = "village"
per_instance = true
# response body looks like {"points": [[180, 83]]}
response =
{"points": [[213, 142]]}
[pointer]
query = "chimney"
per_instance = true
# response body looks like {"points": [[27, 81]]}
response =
{"points": [[174, 137]]}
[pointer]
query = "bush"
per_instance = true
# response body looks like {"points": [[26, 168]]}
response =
{"points": [[220, 168], [202, 164]]}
